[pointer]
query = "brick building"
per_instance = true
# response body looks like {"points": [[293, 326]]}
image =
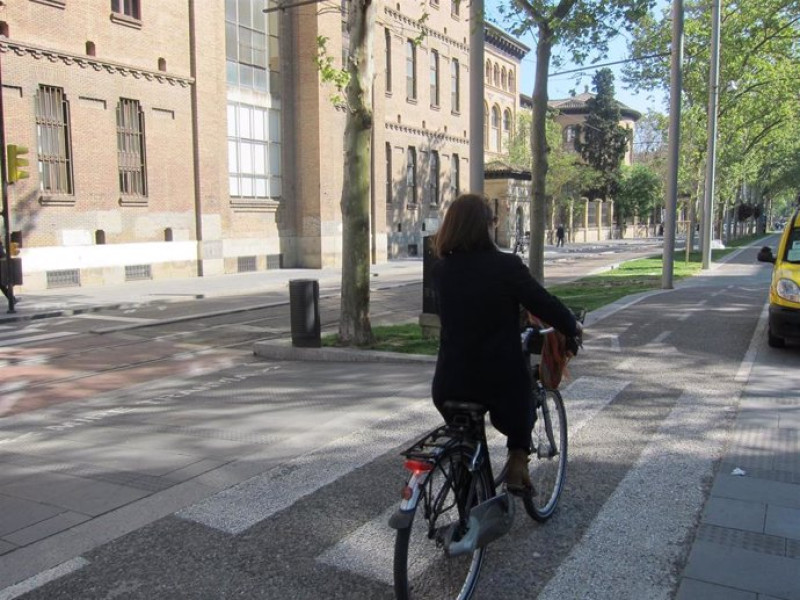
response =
{"points": [[194, 137]]}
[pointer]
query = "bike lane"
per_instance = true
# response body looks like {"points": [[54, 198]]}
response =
{"points": [[642, 457]]}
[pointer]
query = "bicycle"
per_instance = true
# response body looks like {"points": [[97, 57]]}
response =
{"points": [[439, 553]]}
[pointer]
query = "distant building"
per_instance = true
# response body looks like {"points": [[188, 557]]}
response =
{"points": [[596, 218]]}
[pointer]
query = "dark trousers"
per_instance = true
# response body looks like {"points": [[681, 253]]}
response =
{"points": [[514, 419]]}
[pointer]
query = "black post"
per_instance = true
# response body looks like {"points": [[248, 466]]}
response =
{"points": [[304, 313], [6, 215]]}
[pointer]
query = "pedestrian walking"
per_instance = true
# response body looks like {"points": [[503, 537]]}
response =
{"points": [[3, 286], [560, 235]]}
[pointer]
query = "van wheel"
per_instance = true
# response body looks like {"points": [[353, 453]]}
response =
{"points": [[775, 341]]}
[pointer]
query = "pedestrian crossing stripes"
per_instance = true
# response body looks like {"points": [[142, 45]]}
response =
{"points": [[369, 550], [6, 341], [238, 508]]}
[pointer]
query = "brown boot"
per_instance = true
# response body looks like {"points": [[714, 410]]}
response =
{"points": [[518, 480]]}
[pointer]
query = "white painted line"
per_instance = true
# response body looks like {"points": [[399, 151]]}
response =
{"points": [[36, 338], [238, 508], [18, 332], [743, 373], [37, 581], [587, 396], [640, 533], [613, 337], [661, 337], [369, 550], [101, 317]]}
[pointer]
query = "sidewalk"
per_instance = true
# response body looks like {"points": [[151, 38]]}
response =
{"points": [[57, 302]]}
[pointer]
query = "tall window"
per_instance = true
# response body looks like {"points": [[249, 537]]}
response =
{"points": [[411, 70], [488, 72], [388, 37], [507, 126], [496, 76], [251, 46], [129, 8], [511, 80], [496, 128], [254, 152], [389, 174], [455, 175], [435, 177], [53, 138], [455, 8], [411, 175], [434, 78], [130, 148], [503, 78], [485, 126], [455, 86]]}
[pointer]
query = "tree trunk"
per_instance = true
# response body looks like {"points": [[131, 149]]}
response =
{"points": [[354, 326], [544, 47]]}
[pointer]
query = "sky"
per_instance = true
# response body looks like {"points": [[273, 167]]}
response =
{"points": [[560, 85]]}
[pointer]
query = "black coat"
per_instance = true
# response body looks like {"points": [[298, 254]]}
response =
{"points": [[479, 295]]}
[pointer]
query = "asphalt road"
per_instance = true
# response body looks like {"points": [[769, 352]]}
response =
{"points": [[301, 465]]}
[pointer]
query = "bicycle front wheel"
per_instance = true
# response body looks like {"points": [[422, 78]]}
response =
{"points": [[423, 567], [548, 465]]}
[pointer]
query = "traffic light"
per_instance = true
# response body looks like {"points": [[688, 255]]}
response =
{"points": [[16, 164]]}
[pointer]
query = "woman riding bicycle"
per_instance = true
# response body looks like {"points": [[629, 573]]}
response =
{"points": [[479, 290]]}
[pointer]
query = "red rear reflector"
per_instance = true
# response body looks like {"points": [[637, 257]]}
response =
{"points": [[418, 466]]}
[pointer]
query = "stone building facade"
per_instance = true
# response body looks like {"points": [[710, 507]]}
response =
{"points": [[196, 138]]}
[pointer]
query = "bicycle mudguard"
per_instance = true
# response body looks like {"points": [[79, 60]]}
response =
{"points": [[488, 521], [401, 519]]}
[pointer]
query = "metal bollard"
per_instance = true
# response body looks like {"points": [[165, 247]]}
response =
{"points": [[304, 311]]}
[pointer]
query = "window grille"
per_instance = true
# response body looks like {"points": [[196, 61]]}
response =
{"points": [[274, 261], [245, 264], [53, 137], [434, 177], [130, 148], [455, 86], [411, 70], [63, 278], [138, 272], [434, 78], [411, 175]]}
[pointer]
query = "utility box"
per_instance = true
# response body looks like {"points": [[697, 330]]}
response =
{"points": [[12, 276], [304, 313]]}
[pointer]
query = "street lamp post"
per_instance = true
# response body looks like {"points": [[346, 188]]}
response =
{"points": [[711, 159], [674, 143]]}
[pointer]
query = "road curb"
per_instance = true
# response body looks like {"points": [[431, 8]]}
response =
{"points": [[284, 350]]}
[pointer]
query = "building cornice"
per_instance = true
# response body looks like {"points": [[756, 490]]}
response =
{"points": [[86, 62], [433, 135], [424, 29], [499, 39]]}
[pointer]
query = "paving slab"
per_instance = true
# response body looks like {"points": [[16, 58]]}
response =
{"points": [[16, 513], [736, 514], [744, 570], [46, 528], [783, 521], [693, 589], [757, 490]]}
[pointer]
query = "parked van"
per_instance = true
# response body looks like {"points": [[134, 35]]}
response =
{"points": [[784, 290]]}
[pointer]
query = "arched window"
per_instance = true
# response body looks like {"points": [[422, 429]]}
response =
{"points": [[497, 76], [507, 127], [512, 80], [504, 78], [496, 129], [488, 72], [485, 126]]}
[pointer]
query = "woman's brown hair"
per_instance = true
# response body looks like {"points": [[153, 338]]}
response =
{"points": [[465, 226]]}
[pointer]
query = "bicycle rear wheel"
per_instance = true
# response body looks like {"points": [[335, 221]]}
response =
{"points": [[548, 465], [423, 569]]}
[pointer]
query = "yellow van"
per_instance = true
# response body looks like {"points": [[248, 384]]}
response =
{"points": [[784, 291]]}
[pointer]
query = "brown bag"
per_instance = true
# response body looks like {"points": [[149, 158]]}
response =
{"points": [[554, 359]]}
